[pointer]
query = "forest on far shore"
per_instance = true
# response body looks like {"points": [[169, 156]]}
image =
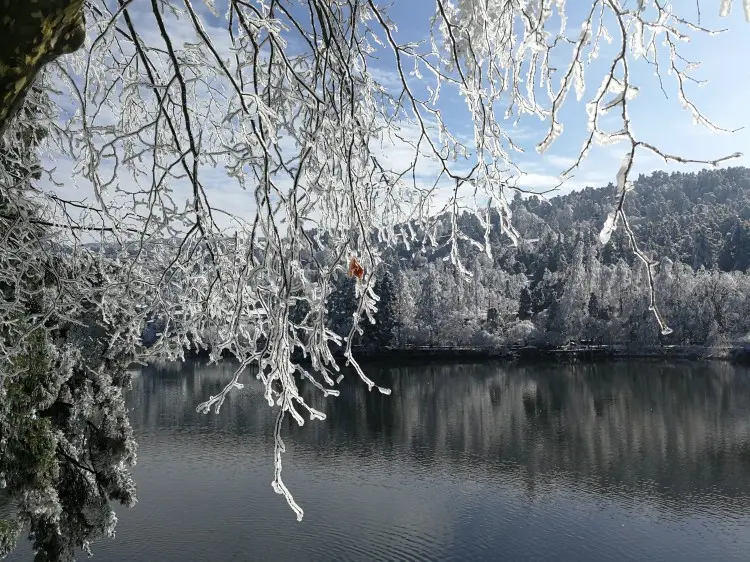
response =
{"points": [[560, 284]]}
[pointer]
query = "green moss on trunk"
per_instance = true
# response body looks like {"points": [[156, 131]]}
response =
{"points": [[32, 33]]}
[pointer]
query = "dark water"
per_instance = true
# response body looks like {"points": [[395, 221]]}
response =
{"points": [[631, 461]]}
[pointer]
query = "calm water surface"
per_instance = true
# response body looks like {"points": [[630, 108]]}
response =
{"points": [[630, 461]]}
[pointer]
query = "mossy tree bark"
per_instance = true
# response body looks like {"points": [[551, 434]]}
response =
{"points": [[32, 33]]}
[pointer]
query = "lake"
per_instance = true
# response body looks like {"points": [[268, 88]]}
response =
{"points": [[611, 461]]}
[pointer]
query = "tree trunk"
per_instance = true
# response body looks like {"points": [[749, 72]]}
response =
{"points": [[33, 33]]}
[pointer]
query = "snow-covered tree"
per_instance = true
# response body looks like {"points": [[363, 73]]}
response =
{"points": [[430, 302], [283, 105], [574, 299], [383, 334], [525, 305], [66, 446], [405, 308]]}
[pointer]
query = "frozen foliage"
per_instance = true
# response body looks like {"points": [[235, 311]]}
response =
{"points": [[567, 287], [65, 440], [282, 97]]}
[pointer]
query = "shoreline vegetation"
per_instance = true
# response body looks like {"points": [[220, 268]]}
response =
{"points": [[571, 352]]}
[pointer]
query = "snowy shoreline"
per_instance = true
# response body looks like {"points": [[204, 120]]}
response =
{"points": [[558, 354]]}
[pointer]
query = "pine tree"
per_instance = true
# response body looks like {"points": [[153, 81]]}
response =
{"points": [[429, 303], [66, 445], [524, 305], [405, 307], [383, 333], [593, 306], [702, 251], [341, 305], [735, 254]]}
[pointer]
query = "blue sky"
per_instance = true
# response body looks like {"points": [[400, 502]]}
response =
{"points": [[659, 120], [724, 99], [656, 119]]}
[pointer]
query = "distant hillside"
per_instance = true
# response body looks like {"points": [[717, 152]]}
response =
{"points": [[700, 219], [560, 283]]}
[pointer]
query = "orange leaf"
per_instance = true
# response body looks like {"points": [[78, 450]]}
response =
{"points": [[356, 270]]}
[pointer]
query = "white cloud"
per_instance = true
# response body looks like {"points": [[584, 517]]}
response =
{"points": [[557, 161]]}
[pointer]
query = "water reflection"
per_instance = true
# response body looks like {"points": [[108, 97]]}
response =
{"points": [[683, 427], [626, 461]]}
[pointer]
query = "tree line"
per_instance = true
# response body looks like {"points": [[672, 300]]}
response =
{"points": [[560, 284]]}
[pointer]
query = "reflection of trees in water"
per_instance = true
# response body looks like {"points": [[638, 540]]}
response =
{"points": [[166, 397], [684, 427]]}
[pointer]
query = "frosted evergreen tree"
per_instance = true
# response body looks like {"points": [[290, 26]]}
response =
{"points": [[405, 307], [66, 446], [702, 251], [383, 333], [525, 305], [430, 303], [735, 253]]}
